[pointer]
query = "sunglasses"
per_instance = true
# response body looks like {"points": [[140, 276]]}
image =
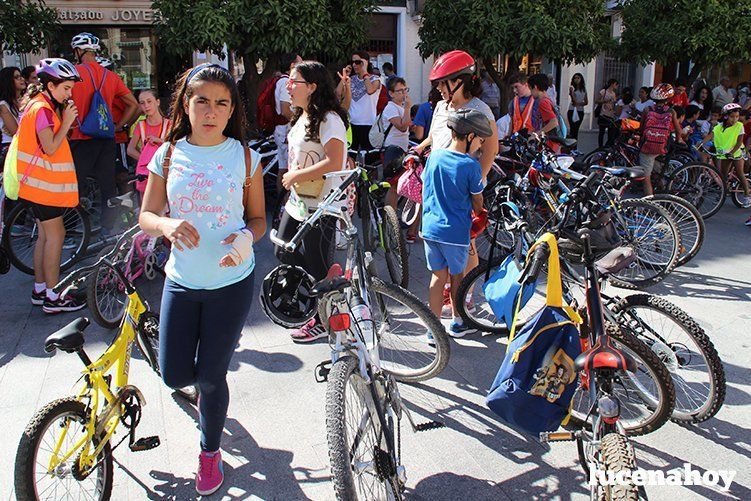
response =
{"points": [[357, 61]]}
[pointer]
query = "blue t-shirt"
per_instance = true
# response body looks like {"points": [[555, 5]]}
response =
{"points": [[205, 188], [424, 116], [449, 180]]}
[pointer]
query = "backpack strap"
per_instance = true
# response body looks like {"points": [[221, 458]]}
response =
{"points": [[248, 181], [167, 161]]}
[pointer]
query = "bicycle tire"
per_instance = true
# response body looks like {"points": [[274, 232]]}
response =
{"points": [[660, 411], [416, 340], [31, 439], [344, 373], [20, 247], [683, 412], [102, 278], [689, 221], [395, 247], [480, 316], [736, 192], [363, 208], [617, 457], [701, 185], [652, 268], [609, 155]]}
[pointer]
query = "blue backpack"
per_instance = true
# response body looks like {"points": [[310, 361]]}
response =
{"points": [[98, 122], [536, 382]]}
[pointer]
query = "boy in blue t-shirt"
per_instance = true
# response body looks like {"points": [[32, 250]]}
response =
{"points": [[452, 189]]}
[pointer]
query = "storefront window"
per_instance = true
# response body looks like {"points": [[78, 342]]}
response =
{"points": [[131, 49]]}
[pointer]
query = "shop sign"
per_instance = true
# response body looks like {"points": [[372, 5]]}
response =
{"points": [[106, 16]]}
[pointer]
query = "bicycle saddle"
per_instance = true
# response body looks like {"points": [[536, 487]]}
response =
{"points": [[568, 143], [69, 338], [629, 172], [603, 355], [615, 260], [127, 200], [329, 285]]}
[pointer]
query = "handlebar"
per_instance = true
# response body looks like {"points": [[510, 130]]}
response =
{"points": [[533, 266], [324, 208], [79, 275]]}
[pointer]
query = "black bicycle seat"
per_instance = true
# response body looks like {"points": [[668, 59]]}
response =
{"points": [[68, 339], [629, 172], [603, 355], [329, 285], [564, 141]]}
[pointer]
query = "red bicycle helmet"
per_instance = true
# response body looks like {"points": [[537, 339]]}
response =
{"points": [[452, 64], [662, 92]]}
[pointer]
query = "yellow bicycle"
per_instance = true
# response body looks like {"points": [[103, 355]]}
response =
{"points": [[66, 449]]}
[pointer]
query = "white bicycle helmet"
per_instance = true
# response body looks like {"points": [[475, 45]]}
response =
{"points": [[57, 69], [105, 63], [730, 107], [85, 41]]}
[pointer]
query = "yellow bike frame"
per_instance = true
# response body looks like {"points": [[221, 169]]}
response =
{"points": [[97, 390]]}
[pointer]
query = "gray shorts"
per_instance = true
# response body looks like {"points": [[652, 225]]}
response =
{"points": [[648, 162]]}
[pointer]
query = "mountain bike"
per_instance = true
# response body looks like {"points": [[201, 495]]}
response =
{"points": [[380, 226], [67, 445], [364, 317], [733, 185]]}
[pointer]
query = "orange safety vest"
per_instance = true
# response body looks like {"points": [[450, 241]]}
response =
{"points": [[520, 122], [44, 179]]}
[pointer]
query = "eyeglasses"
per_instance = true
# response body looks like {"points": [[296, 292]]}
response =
{"points": [[357, 61], [290, 81], [401, 91]]}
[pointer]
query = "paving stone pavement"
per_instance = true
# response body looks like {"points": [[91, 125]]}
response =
{"points": [[274, 440]]}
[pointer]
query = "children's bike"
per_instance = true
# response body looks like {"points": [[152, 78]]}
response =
{"points": [[66, 449]]}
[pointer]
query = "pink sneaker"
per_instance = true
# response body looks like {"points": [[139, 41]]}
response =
{"points": [[309, 332], [210, 473]]}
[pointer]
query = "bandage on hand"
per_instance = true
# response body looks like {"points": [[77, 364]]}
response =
{"points": [[241, 247]]}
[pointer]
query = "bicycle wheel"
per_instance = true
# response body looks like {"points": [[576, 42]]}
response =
{"points": [[105, 293], [360, 467], [395, 247], [689, 221], [684, 348], [402, 322], [616, 458], [22, 231], [91, 203], [736, 192], [363, 208], [62, 422], [605, 156], [477, 312], [646, 396], [701, 185], [648, 229]]}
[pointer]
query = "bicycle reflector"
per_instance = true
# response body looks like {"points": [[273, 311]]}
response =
{"points": [[340, 322]]}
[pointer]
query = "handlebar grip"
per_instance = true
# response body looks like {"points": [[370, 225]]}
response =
{"points": [[539, 259]]}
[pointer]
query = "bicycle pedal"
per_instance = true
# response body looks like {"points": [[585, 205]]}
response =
{"points": [[145, 444], [322, 371], [557, 436], [430, 425]]}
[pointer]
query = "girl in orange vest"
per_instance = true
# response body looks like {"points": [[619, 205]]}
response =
{"points": [[47, 176]]}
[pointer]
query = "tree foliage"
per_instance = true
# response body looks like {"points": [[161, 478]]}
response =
{"points": [[26, 26], [262, 30], [707, 32], [562, 31]]}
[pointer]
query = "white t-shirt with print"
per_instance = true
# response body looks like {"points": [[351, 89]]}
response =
{"points": [[304, 153], [281, 94], [362, 109], [439, 129], [395, 137]]}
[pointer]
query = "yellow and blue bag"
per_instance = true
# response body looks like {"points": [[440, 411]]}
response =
{"points": [[536, 381]]}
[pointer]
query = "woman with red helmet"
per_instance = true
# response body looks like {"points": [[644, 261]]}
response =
{"points": [[456, 78]]}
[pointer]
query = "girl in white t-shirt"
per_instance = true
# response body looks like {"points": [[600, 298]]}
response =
{"points": [[317, 145], [395, 120]]}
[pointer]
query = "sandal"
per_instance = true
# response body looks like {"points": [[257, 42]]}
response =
{"points": [[309, 332]]}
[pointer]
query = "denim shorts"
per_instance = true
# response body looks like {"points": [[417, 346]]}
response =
{"points": [[440, 256]]}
